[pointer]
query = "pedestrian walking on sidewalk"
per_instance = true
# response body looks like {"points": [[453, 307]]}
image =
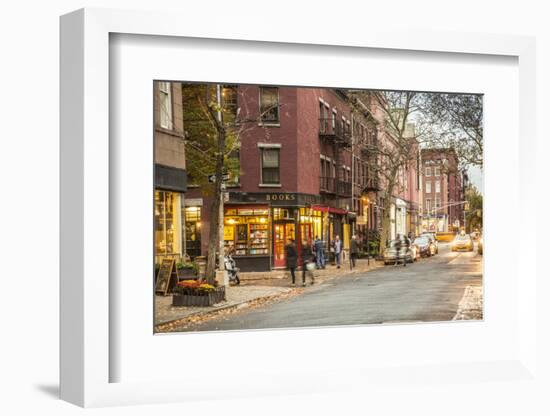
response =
{"points": [[319, 253], [354, 250], [307, 262], [337, 250], [291, 255]]}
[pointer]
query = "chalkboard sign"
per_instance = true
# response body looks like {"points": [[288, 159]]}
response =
{"points": [[167, 276]]}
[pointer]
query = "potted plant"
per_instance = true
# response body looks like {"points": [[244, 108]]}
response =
{"points": [[187, 270], [197, 293]]}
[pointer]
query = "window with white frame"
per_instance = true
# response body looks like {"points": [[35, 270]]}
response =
{"points": [[428, 171], [437, 202], [165, 104], [269, 104], [428, 187], [270, 165], [437, 171], [428, 205], [437, 187]]}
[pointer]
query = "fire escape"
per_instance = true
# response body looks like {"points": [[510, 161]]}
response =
{"points": [[336, 133]]}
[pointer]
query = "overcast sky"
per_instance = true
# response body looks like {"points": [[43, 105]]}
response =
{"points": [[476, 177]]}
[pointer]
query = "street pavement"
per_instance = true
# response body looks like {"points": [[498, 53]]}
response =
{"points": [[426, 291]]}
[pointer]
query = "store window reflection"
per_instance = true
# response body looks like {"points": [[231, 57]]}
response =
{"points": [[193, 231], [166, 223]]}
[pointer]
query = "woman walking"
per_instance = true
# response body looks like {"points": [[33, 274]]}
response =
{"points": [[307, 259], [291, 255], [337, 250]]}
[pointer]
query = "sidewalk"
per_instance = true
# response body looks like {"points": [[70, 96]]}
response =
{"points": [[255, 288], [471, 304], [277, 277]]}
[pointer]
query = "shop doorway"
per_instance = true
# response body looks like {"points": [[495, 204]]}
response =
{"points": [[305, 233], [282, 232]]}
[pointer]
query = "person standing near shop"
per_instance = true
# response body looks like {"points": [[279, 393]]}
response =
{"points": [[307, 258], [319, 253], [337, 250], [353, 249], [291, 255]]}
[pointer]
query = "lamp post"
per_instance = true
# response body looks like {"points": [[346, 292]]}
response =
{"points": [[366, 205]]}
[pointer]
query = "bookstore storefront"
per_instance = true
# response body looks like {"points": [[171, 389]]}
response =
{"points": [[257, 233], [247, 235]]}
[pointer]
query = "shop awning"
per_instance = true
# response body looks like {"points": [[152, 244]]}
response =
{"points": [[332, 210]]}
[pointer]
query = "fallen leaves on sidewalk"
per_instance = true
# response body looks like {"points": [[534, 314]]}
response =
{"points": [[193, 320]]}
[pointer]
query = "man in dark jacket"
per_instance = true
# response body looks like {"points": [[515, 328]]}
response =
{"points": [[354, 250], [291, 255], [319, 252]]}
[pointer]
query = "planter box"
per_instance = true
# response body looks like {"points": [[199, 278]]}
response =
{"points": [[187, 274], [207, 299]]}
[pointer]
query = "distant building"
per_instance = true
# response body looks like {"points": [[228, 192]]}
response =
{"points": [[170, 172], [443, 187]]}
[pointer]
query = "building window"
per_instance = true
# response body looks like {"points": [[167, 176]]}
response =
{"points": [[437, 186], [428, 187], [437, 171], [167, 223], [324, 121], [165, 103], [269, 104], [428, 205], [437, 202], [230, 105], [193, 231], [428, 171], [270, 166]]}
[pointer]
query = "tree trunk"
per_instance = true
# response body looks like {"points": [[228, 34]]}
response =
{"points": [[214, 238], [386, 223], [386, 218]]}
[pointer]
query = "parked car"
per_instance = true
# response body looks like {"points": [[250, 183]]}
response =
{"points": [[424, 246], [480, 245], [462, 242], [408, 251], [432, 238]]}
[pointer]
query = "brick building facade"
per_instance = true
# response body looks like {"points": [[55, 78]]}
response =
{"points": [[304, 173], [443, 186]]}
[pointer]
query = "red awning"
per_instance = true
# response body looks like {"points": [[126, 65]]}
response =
{"points": [[319, 208], [333, 210]]}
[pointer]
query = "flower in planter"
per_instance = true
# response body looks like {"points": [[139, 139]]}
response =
{"points": [[194, 287], [205, 288]]}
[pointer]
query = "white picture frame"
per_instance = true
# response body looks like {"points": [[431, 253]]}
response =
{"points": [[86, 215]]}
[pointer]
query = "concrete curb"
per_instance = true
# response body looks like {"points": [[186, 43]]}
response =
{"points": [[221, 308]]}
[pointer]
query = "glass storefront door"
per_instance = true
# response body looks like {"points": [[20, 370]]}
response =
{"points": [[282, 232]]}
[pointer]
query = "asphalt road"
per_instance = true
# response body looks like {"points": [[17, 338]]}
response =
{"points": [[428, 290]]}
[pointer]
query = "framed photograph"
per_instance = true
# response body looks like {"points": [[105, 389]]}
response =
{"points": [[349, 151]]}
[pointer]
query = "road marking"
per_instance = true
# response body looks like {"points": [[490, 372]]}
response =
{"points": [[463, 258]]}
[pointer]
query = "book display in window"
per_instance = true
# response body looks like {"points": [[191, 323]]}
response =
{"points": [[258, 241]]}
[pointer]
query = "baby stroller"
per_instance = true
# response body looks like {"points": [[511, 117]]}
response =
{"points": [[232, 269]]}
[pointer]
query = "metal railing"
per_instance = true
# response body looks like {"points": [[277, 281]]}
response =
{"points": [[335, 130], [327, 184], [343, 188], [334, 186]]}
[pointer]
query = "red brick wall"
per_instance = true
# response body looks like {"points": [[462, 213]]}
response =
{"points": [[284, 134]]}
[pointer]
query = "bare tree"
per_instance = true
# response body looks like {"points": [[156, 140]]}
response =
{"points": [[396, 146], [456, 122]]}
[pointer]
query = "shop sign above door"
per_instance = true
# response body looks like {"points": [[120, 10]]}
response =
{"points": [[275, 198]]}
